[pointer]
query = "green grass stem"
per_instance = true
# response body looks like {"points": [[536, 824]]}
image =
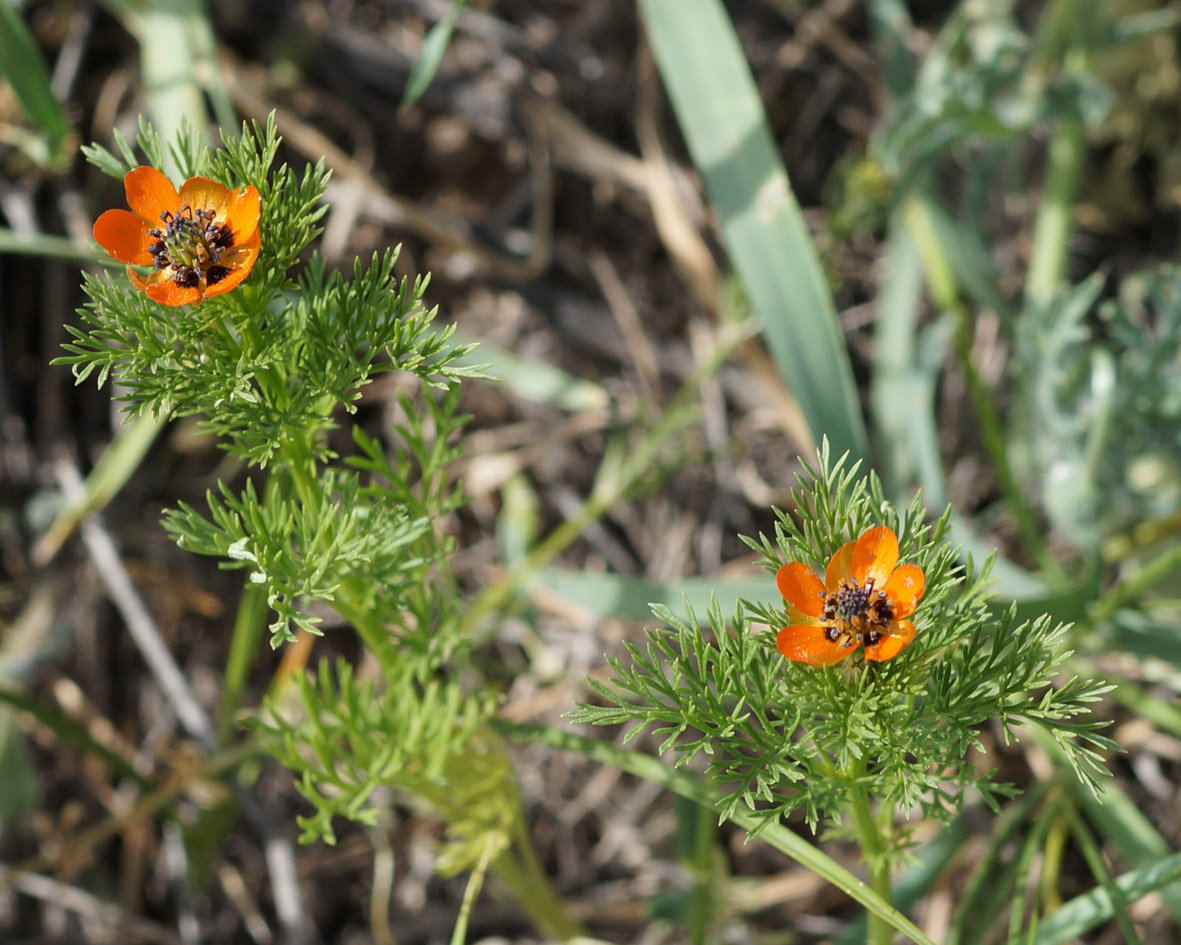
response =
{"points": [[690, 786], [945, 295]]}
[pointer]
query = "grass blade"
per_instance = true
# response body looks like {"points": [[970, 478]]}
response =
{"points": [[537, 381], [21, 64], [1090, 909], [1117, 818], [689, 786], [725, 127], [425, 67]]}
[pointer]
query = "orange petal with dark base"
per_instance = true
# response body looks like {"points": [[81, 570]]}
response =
{"points": [[875, 556], [242, 213], [150, 193], [164, 290], [840, 566], [892, 644], [905, 587], [809, 644], [240, 259], [124, 236], [801, 587]]}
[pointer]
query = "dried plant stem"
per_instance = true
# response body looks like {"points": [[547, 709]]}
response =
{"points": [[277, 849], [610, 488]]}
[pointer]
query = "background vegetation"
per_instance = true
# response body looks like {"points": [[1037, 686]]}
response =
{"points": [[954, 228]]}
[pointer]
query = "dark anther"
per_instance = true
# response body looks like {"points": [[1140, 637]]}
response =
{"points": [[186, 278]]}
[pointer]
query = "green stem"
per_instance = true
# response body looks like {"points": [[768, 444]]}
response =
{"points": [[945, 295], [873, 853], [248, 631], [687, 785], [519, 869], [1051, 231], [1125, 592]]}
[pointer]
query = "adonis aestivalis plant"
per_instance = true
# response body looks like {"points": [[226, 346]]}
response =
{"points": [[214, 317], [858, 694]]}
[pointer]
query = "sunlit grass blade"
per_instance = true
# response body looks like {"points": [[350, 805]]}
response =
{"points": [[422, 73], [175, 55], [117, 464], [969, 259], [54, 247], [1087, 911], [1119, 821], [21, 64], [687, 785], [903, 398], [723, 122], [618, 595], [900, 388]]}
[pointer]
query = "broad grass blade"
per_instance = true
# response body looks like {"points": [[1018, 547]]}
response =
{"points": [[21, 64], [725, 127], [1087, 911], [615, 595]]}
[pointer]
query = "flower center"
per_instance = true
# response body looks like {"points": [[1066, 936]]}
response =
{"points": [[857, 613], [191, 244]]}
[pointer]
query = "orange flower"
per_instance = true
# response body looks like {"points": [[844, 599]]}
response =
{"points": [[865, 598], [200, 242]]}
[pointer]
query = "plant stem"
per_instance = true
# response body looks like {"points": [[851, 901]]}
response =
{"points": [[1051, 231], [684, 784], [248, 630], [1126, 591], [945, 295], [519, 869], [873, 853]]}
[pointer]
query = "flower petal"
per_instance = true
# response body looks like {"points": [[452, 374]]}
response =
{"points": [[201, 193], [905, 587], [239, 260], [242, 212], [124, 236], [810, 644], [150, 193], [161, 287], [893, 643], [840, 566], [875, 556], [801, 587]]}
